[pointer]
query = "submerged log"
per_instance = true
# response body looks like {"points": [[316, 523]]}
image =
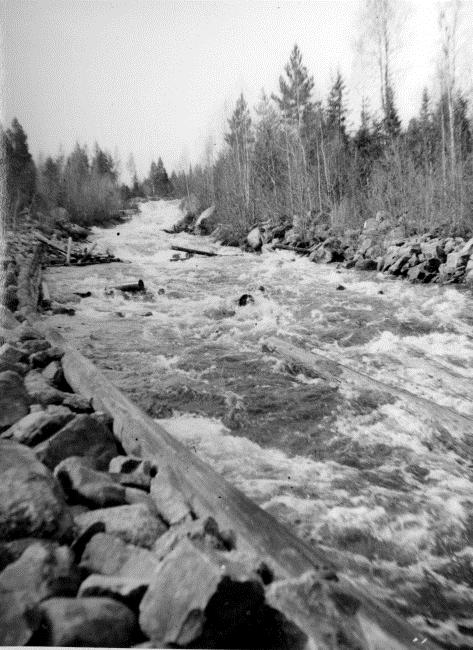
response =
{"points": [[445, 421], [197, 251], [133, 287], [209, 494]]}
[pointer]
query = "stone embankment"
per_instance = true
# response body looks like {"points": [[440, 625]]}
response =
{"points": [[381, 245]]}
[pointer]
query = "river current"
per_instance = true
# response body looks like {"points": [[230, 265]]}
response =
{"points": [[352, 470]]}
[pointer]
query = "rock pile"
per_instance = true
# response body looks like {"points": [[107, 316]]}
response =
{"points": [[381, 245], [98, 548]]}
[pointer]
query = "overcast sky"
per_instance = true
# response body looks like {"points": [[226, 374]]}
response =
{"points": [[157, 78]]}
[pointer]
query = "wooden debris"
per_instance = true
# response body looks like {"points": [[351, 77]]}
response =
{"points": [[133, 287], [196, 251], [77, 257]]}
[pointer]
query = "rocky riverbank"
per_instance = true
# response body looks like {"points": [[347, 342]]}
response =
{"points": [[381, 245]]}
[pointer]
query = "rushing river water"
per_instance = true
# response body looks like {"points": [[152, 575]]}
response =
{"points": [[354, 471]]}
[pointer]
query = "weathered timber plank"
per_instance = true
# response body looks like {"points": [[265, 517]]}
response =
{"points": [[51, 244], [210, 494], [441, 418], [196, 251]]}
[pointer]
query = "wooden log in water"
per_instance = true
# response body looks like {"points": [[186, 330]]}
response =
{"points": [[197, 251], [210, 494], [87, 254], [133, 287], [448, 424]]}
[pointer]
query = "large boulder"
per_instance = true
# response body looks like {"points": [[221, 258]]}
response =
{"points": [[10, 357], [31, 501], [93, 622], [40, 391], [88, 486], [14, 399], [111, 556], [134, 524], [254, 239], [199, 599], [204, 532], [39, 425], [133, 472], [127, 590], [82, 436], [171, 503], [201, 226], [7, 319]]}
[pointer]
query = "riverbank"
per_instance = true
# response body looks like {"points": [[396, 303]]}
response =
{"points": [[381, 245]]}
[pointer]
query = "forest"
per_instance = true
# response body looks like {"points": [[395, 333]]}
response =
{"points": [[293, 160]]}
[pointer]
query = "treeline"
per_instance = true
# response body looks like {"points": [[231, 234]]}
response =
{"points": [[295, 161], [86, 185]]}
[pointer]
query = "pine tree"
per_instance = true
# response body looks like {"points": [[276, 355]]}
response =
{"points": [[391, 122], [295, 90], [336, 112], [20, 168]]}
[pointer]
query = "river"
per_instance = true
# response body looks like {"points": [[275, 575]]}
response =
{"points": [[349, 469]]}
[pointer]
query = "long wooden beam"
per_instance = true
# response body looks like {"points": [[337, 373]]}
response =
{"points": [[196, 251], [210, 494], [444, 419]]}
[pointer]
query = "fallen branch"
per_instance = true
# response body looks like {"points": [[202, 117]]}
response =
{"points": [[51, 244], [133, 287], [196, 251], [447, 422]]}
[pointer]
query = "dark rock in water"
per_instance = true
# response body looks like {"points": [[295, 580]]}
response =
{"points": [[261, 288], [134, 524], [200, 599], [13, 398], [161, 292], [109, 555], [245, 299], [31, 501], [381, 292], [82, 484], [93, 622], [365, 265], [341, 287], [83, 436], [83, 294], [57, 308]]}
